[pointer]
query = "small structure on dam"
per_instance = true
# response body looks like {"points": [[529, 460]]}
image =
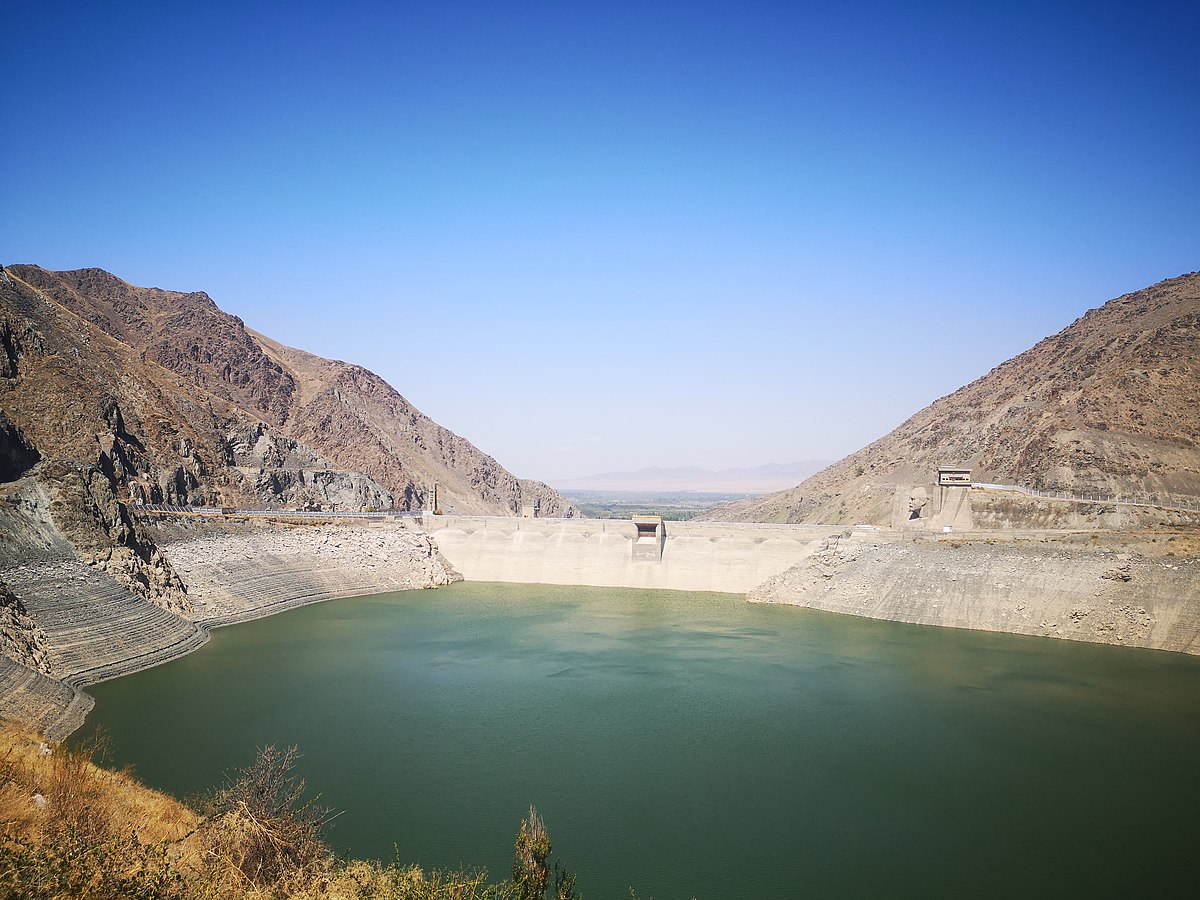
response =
{"points": [[953, 477], [944, 505], [954, 498], [432, 508], [651, 538]]}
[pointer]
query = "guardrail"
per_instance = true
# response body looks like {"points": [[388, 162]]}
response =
{"points": [[1157, 501], [168, 509]]}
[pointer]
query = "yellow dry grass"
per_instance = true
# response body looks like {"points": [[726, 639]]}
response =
{"points": [[72, 829], [71, 785]]}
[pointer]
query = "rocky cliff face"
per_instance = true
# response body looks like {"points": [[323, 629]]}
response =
{"points": [[276, 469], [178, 402], [87, 512], [16, 455], [1111, 404], [21, 639]]}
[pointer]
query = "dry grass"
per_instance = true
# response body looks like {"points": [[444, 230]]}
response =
{"points": [[95, 800], [71, 829]]}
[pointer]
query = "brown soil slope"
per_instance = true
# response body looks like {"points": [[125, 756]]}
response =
{"points": [[179, 402], [1110, 404], [358, 420]]}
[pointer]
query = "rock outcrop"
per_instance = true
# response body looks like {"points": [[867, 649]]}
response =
{"points": [[275, 469], [22, 640], [70, 616], [16, 455], [105, 535]]}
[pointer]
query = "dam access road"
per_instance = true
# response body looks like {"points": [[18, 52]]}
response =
{"points": [[69, 623]]}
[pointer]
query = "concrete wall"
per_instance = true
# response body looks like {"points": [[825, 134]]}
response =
{"points": [[696, 556]]}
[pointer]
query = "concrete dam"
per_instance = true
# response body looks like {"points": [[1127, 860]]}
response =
{"points": [[643, 553]]}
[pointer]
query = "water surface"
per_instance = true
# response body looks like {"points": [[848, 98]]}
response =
{"points": [[696, 745]]}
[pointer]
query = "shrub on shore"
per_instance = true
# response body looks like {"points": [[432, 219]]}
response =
{"points": [[72, 829]]}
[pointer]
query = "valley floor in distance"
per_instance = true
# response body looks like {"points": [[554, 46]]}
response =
{"points": [[673, 506]]}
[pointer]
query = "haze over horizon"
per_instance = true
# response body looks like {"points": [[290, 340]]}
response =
{"points": [[695, 479], [601, 239]]}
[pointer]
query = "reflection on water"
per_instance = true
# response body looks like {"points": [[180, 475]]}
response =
{"points": [[694, 745]]}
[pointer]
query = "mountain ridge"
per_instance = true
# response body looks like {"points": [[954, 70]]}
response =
{"points": [[248, 421], [1108, 405]]}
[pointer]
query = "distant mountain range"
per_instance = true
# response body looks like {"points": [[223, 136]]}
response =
{"points": [[1109, 405], [758, 479]]}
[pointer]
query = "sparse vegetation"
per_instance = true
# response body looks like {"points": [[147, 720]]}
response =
{"points": [[673, 506], [260, 826], [71, 829]]}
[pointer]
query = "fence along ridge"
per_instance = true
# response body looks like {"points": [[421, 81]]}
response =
{"points": [[1158, 501]]}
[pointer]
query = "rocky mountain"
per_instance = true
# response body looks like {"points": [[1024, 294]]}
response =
{"points": [[176, 401], [1110, 404]]}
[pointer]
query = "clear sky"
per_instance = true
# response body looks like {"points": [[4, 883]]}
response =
{"points": [[598, 236]]}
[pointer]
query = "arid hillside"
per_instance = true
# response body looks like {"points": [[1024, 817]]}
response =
{"points": [[178, 402], [110, 394], [1110, 404]]}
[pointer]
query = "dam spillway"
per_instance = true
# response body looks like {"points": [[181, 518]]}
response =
{"points": [[695, 556]]}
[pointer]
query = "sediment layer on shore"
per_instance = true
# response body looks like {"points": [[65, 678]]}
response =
{"points": [[1132, 590], [1111, 589], [235, 577], [96, 629], [41, 702]]}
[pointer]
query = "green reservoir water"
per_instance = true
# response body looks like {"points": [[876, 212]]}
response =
{"points": [[696, 745]]}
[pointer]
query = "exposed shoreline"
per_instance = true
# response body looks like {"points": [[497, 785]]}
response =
{"points": [[1136, 590], [1122, 590], [233, 576]]}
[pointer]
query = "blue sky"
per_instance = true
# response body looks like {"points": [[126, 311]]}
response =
{"points": [[606, 236]]}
